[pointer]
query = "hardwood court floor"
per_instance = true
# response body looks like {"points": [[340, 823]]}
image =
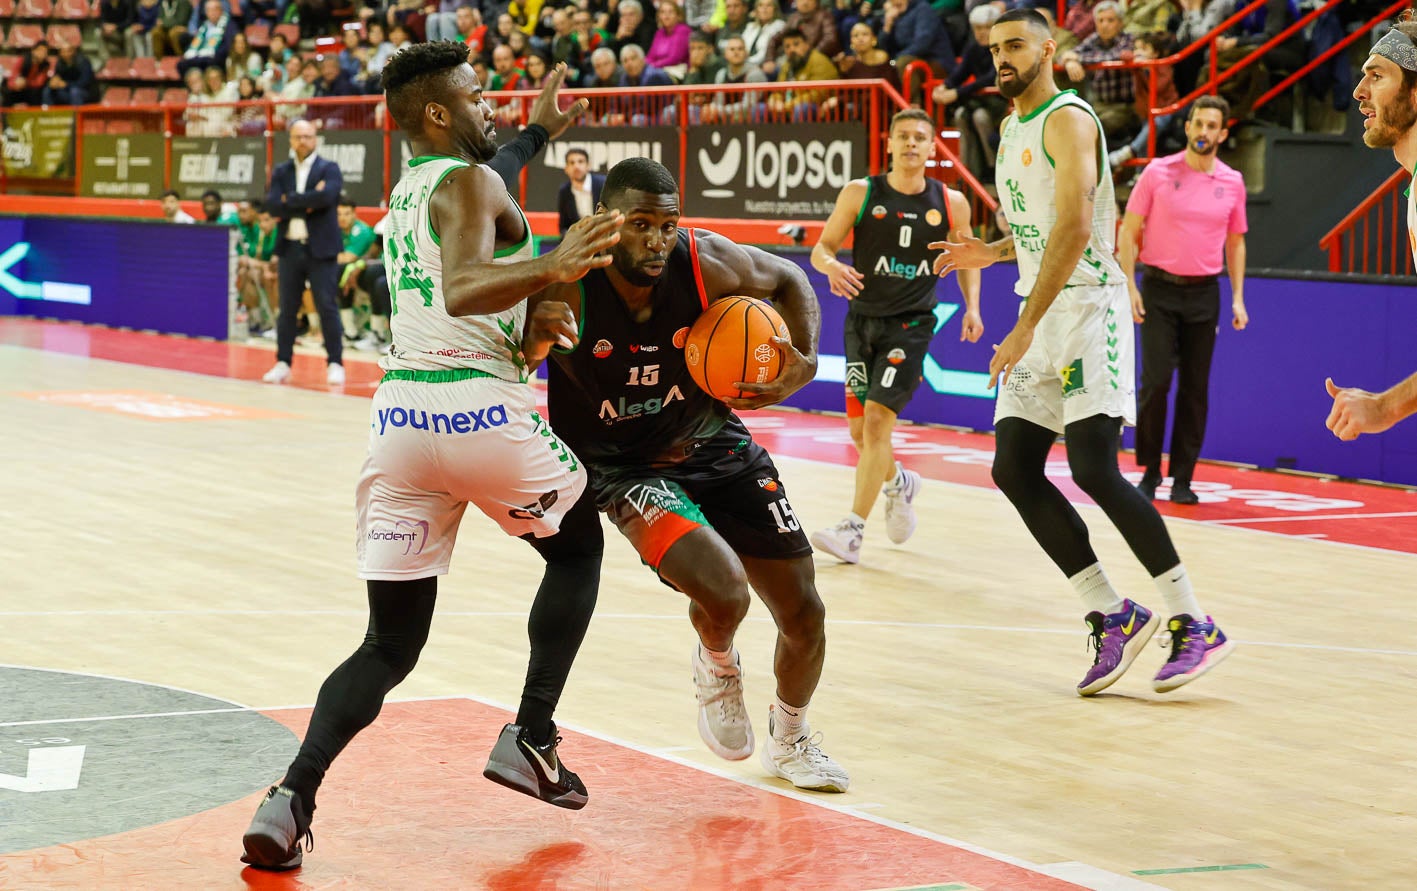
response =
{"points": [[196, 531]]}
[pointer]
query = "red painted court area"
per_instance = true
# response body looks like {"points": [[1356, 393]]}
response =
{"points": [[435, 822], [1352, 513]]}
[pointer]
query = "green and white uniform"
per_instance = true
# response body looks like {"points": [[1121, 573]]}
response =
{"points": [[1082, 360], [453, 420]]}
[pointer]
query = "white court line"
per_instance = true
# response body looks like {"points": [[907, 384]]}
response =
{"points": [[1309, 519]]}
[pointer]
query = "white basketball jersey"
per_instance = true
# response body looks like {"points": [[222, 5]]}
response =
{"points": [[425, 337], [1027, 185]]}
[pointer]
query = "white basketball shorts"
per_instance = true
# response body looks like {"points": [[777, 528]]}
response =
{"points": [[1082, 362], [435, 446]]}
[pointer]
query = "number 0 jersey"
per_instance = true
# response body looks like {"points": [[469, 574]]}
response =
{"points": [[889, 247], [425, 336]]}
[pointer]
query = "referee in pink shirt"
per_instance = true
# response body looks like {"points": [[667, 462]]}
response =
{"points": [[1191, 205]]}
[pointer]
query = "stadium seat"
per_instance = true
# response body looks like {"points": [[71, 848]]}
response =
{"points": [[116, 96], [7, 9], [167, 69], [144, 96], [291, 32], [145, 68], [258, 36], [34, 9], [24, 36], [116, 68], [64, 35], [174, 96], [122, 127], [73, 10], [9, 66]]}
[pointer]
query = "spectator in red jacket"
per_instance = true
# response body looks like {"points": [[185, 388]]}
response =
{"points": [[35, 72]]}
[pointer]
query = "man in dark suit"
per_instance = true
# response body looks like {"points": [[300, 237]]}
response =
{"points": [[581, 192], [304, 195]]}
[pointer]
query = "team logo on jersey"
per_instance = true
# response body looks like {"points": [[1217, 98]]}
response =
{"points": [[623, 409], [643, 348], [878, 212], [768, 483], [602, 348], [1026, 157], [691, 354], [681, 337], [896, 269], [933, 217], [896, 356]]}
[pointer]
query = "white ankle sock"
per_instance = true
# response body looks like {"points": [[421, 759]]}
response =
{"points": [[896, 481], [1096, 592], [856, 520], [1176, 590], [725, 659], [788, 721]]}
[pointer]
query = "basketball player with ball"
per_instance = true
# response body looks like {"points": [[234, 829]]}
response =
{"points": [[890, 319], [673, 467]]}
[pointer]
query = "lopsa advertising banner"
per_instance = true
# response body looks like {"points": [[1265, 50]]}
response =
{"points": [[39, 144], [795, 171], [127, 166], [359, 154], [234, 166]]}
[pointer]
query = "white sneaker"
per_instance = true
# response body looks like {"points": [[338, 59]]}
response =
{"points": [[802, 762], [279, 374], [369, 341], [900, 506], [842, 541], [723, 720], [335, 375]]}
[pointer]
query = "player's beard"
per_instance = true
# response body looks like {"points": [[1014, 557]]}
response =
{"points": [[1021, 81], [1203, 146], [1392, 123], [630, 270]]}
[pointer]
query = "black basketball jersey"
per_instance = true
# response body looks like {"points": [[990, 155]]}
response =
{"points": [[889, 248], [624, 394]]}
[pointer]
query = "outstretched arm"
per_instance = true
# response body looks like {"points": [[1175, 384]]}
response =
{"points": [[546, 122], [731, 269], [1356, 412]]}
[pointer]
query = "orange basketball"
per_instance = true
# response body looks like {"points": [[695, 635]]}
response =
{"points": [[732, 342]]}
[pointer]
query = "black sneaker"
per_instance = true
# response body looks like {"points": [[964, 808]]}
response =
{"points": [[273, 839], [1148, 485], [518, 763], [1181, 494]]}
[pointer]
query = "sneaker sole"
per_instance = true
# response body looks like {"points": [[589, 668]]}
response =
{"points": [[1212, 659], [823, 544], [264, 852], [514, 779], [1130, 651]]}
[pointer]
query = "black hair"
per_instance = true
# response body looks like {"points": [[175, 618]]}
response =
{"points": [[791, 32], [211, 193], [577, 151], [1029, 16], [346, 201], [640, 174], [417, 75], [701, 37], [256, 204], [1216, 102]]}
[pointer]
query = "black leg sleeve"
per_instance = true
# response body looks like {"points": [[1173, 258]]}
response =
{"points": [[400, 614], [1092, 455], [561, 612], [1020, 455]]}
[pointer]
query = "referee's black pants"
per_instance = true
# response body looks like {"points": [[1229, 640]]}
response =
{"points": [[296, 267], [1178, 335]]}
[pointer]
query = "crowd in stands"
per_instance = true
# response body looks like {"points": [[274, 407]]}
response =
{"points": [[293, 50]]}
